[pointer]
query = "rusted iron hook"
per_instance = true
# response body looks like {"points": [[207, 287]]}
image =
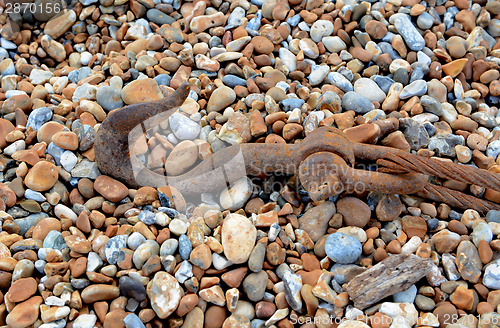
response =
{"points": [[323, 161]]}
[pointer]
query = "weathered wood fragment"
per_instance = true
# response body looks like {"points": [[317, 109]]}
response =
{"points": [[394, 274]]}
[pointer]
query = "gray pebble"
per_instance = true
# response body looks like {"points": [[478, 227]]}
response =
{"points": [[356, 102], [342, 248]]}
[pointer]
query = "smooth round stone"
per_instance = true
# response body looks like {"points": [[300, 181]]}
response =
{"points": [[233, 80], [482, 231], [288, 59], [417, 88], [355, 212], [164, 293], [238, 238], [320, 29], [236, 196], [254, 285], [109, 98], [159, 17], [318, 74], [182, 157], [85, 321], [177, 227], [24, 314], [113, 190], [342, 248], [290, 104], [169, 247], [334, 44], [221, 98], [113, 248], [185, 247], [183, 127], [135, 240], [139, 91], [406, 296], [493, 216], [38, 117], [425, 21], [355, 101], [369, 89], [42, 176], [132, 288]]}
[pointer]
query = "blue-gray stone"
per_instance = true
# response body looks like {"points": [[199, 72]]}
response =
{"points": [[114, 247], [214, 41], [258, 3], [485, 119], [38, 117], [147, 217], [482, 231], [342, 248], [132, 288], [431, 105], [401, 75], [291, 103], [449, 17], [163, 79], [254, 24], [425, 21], [40, 266], [185, 272], [185, 247], [415, 133], [493, 149], [340, 81], [294, 20], [133, 321], [430, 128], [432, 224], [54, 240], [416, 88], [56, 152], [493, 216], [109, 98], [169, 247], [417, 74], [80, 283], [159, 17], [171, 212], [234, 19], [408, 31], [445, 144], [406, 296], [34, 195], [5, 54], [86, 137], [388, 49], [29, 221], [491, 278], [356, 102], [384, 82], [232, 80], [86, 169]]}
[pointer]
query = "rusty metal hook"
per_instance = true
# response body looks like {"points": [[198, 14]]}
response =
{"points": [[323, 160]]}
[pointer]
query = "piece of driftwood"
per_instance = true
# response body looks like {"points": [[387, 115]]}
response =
{"points": [[394, 274]]}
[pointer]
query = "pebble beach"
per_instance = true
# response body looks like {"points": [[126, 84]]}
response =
{"points": [[81, 249]]}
